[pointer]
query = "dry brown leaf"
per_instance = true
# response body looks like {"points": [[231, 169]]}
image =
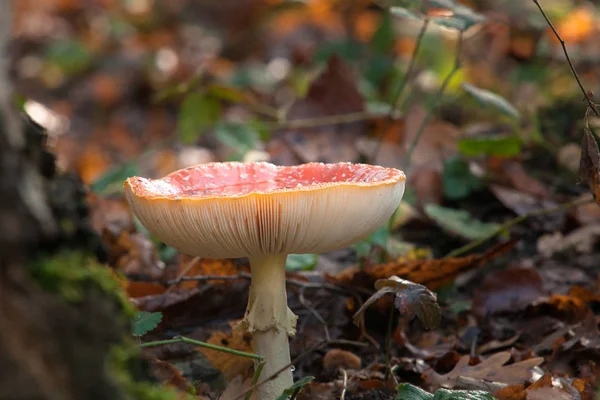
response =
{"points": [[167, 374], [110, 212], [336, 359], [491, 369], [230, 365], [204, 267], [431, 273], [133, 254], [507, 290], [511, 392], [546, 393], [589, 165], [236, 387], [512, 173], [141, 289], [333, 93]]}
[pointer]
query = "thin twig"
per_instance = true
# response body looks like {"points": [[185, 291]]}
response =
{"points": [[322, 121], [436, 101], [314, 312], [184, 271], [517, 220], [409, 70], [403, 85], [203, 278], [343, 396], [564, 47], [388, 343], [183, 339]]}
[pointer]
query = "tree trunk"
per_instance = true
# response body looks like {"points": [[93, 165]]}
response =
{"points": [[54, 343]]}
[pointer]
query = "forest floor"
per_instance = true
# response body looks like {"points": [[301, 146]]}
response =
{"points": [[475, 102]]}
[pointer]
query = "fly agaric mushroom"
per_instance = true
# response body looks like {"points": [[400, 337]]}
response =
{"points": [[265, 212]]}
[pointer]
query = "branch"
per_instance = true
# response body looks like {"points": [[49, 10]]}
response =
{"points": [[564, 47], [515, 221]]}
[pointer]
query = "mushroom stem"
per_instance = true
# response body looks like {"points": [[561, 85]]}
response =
{"points": [[270, 321]]}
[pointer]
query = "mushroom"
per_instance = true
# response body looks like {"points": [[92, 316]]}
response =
{"points": [[265, 212]]}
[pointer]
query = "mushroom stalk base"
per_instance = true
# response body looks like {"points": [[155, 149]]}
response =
{"points": [[270, 321]]}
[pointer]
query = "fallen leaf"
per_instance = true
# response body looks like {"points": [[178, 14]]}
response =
{"points": [[230, 365], [336, 359], [133, 254], [513, 174], [192, 266], [546, 393], [511, 392], [508, 290], [167, 374], [577, 26], [460, 222], [141, 289], [589, 164], [491, 369], [411, 299], [431, 273], [333, 93]]}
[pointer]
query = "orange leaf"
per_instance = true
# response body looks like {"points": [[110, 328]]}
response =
{"points": [[230, 365], [577, 26]]}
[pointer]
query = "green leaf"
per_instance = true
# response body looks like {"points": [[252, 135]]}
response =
{"points": [[488, 98], [378, 108], [449, 4], [446, 394], [458, 180], [227, 93], [468, 16], [460, 222], [239, 137], [198, 112], [295, 387], [385, 37], [70, 55], [301, 262], [362, 248], [493, 145], [112, 181], [462, 19], [167, 253], [378, 238], [143, 322], [451, 23], [406, 391], [405, 13]]}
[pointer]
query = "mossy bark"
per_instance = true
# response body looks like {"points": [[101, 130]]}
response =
{"points": [[64, 321]]}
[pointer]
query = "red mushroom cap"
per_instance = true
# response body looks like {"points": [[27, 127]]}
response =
{"points": [[225, 210]]}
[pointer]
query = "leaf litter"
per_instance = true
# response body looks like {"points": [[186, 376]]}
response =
{"points": [[515, 316]]}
